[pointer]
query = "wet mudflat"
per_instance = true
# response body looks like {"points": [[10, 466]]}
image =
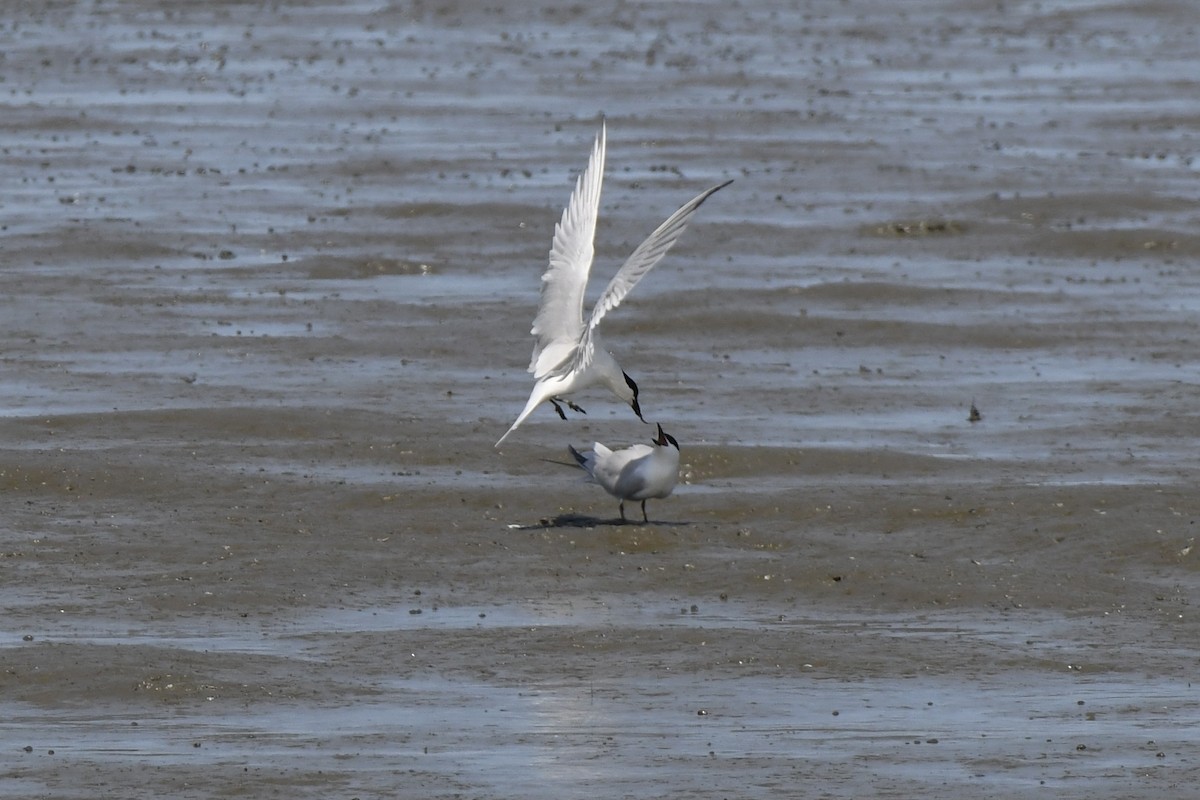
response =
{"points": [[265, 290]]}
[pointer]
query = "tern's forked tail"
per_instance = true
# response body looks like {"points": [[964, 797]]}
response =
{"points": [[535, 400]]}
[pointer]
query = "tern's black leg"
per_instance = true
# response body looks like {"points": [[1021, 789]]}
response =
{"points": [[644, 517], [562, 415], [622, 507], [574, 407]]}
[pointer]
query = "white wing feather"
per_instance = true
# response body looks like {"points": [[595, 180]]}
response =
{"points": [[559, 321], [647, 254], [609, 464]]}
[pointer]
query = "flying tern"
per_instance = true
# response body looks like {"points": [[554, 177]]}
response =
{"points": [[639, 472], [567, 352]]}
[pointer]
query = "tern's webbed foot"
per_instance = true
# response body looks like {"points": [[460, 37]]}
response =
{"points": [[554, 401]]}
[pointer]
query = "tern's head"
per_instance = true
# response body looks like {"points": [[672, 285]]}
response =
{"points": [[633, 401], [665, 439]]}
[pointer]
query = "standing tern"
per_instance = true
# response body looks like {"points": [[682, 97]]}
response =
{"points": [[567, 354], [639, 472]]}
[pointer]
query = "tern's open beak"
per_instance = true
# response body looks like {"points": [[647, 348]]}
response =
{"points": [[663, 439]]}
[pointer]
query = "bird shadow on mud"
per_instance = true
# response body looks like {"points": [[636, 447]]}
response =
{"points": [[585, 521]]}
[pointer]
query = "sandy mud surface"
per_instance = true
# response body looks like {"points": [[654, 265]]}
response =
{"points": [[265, 288]]}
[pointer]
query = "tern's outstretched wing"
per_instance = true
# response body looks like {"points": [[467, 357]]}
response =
{"points": [[647, 254], [559, 321]]}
